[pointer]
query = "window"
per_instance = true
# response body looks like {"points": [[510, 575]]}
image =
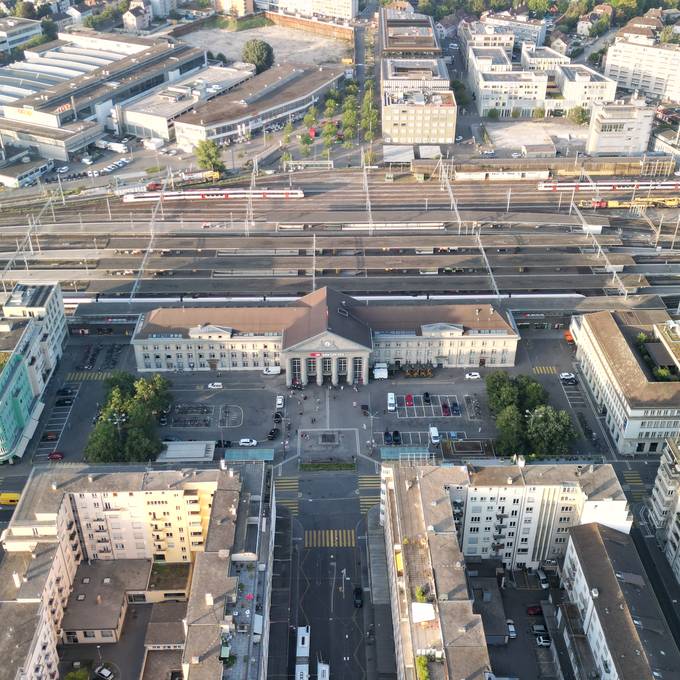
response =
{"points": [[89, 634]]}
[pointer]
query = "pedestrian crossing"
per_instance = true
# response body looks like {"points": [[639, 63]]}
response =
{"points": [[287, 484], [291, 504], [330, 538], [545, 370], [634, 482], [369, 481], [81, 376], [367, 502]]}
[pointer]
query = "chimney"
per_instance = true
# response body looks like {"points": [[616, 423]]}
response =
{"points": [[17, 579], [209, 600], [99, 598], [90, 478], [54, 486], [195, 660], [509, 481]]}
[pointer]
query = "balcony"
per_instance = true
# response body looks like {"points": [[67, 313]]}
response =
{"points": [[69, 525], [72, 536], [501, 515], [500, 527]]}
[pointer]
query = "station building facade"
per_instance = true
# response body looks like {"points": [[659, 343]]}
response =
{"points": [[323, 337]]}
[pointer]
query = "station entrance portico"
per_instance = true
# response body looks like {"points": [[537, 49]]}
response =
{"points": [[338, 366]]}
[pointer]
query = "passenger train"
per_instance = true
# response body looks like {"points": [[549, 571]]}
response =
{"points": [[611, 185], [224, 194]]}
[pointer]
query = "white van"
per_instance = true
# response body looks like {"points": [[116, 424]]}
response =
{"points": [[434, 435], [391, 402]]}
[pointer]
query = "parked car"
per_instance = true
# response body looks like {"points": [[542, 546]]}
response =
{"points": [[273, 433], [278, 417], [543, 641], [64, 401], [103, 673], [534, 610], [568, 378], [358, 597], [223, 444], [446, 409], [65, 392], [539, 629], [55, 455], [279, 401], [512, 631], [455, 409], [409, 400], [272, 370], [426, 398], [473, 375], [542, 579], [62, 170], [163, 420], [247, 442], [215, 386], [387, 437], [396, 437]]}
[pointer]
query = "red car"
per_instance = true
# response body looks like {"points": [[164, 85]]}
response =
{"points": [[55, 455], [534, 610], [409, 400], [446, 409]]}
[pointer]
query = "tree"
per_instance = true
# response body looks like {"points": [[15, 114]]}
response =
{"points": [[579, 115], [531, 393], [154, 393], [286, 157], [25, 10], [258, 52], [311, 117], [331, 108], [103, 443], [123, 381], [511, 431], [549, 431], [501, 391], [539, 112], [540, 7], [287, 132], [668, 35], [516, 112], [328, 134], [306, 142], [78, 674], [493, 114], [208, 156]]}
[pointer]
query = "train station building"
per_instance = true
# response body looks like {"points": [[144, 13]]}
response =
{"points": [[324, 337]]}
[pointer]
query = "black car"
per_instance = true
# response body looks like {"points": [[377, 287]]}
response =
{"points": [[273, 433], [388, 437], [278, 417], [455, 409], [396, 437], [426, 398], [223, 444], [358, 597], [64, 402], [163, 420], [65, 392]]}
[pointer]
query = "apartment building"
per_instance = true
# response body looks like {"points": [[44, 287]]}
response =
{"points": [[639, 410], [406, 33], [664, 499], [498, 87], [15, 32], [479, 34], [239, 8], [522, 514], [32, 334], [523, 28], [341, 10], [84, 541], [324, 336], [419, 117], [618, 613], [580, 85], [424, 557], [620, 127], [535, 58], [646, 66]]}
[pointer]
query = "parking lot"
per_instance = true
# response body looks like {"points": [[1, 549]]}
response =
{"points": [[417, 438], [439, 406], [56, 422], [574, 395]]}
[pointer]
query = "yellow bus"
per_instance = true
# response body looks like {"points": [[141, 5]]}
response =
{"points": [[9, 497]]}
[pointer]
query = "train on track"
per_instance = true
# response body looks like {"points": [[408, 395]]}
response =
{"points": [[224, 194], [615, 185], [642, 202]]}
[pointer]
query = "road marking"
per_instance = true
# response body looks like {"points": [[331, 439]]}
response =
{"points": [[330, 538], [545, 370], [369, 481], [81, 376], [284, 484], [291, 504], [367, 502]]}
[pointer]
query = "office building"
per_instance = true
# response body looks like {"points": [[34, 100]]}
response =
{"points": [[664, 498], [479, 34], [238, 8], [60, 98], [623, 357], [398, 75], [15, 32], [86, 541], [324, 336], [542, 59], [523, 28], [432, 613], [153, 116], [418, 117], [620, 127], [277, 95], [406, 33], [643, 64], [341, 10], [615, 607], [32, 335], [581, 86]]}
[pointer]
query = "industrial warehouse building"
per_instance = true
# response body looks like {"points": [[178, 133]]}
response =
{"points": [[60, 98], [324, 336]]}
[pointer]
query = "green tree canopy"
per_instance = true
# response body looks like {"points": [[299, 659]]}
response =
{"points": [[579, 115], [511, 428], [208, 156], [540, 7], [550, 432], [311, 117], [493, 114], [258, 52], [25, 10]]}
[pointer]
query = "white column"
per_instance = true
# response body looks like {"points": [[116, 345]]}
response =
{"points": [[319, 372], [364, 369], [289, 371], [303, 370], [334, 370], [350, 369]]}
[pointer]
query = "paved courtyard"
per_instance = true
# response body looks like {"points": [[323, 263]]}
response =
{"points": [[514, 133]]}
